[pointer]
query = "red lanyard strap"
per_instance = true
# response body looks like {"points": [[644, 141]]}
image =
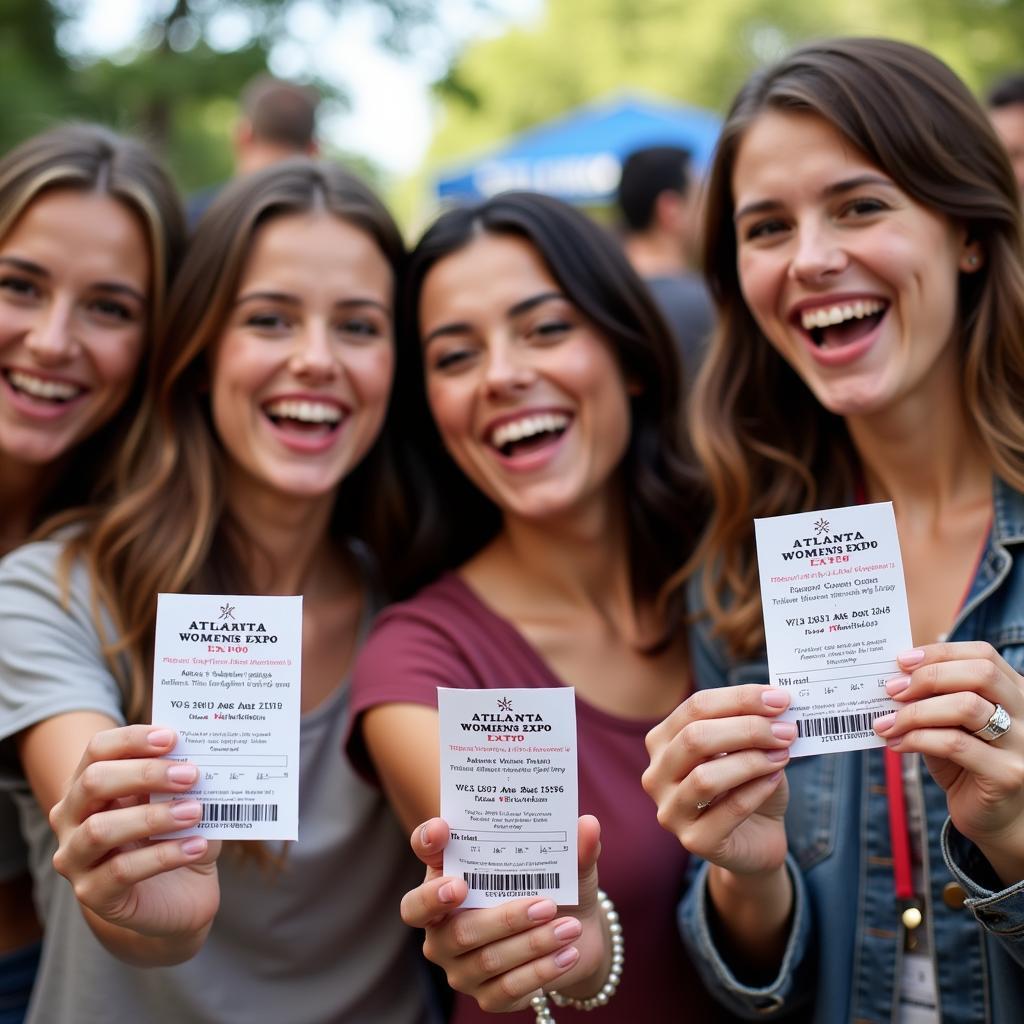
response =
{"points": [[899, 830]]}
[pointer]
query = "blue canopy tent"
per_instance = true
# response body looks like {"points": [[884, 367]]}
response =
{"points": [[578, 156]]}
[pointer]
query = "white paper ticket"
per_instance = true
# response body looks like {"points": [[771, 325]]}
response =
{"points": [[227, 677], [509, 792], [835, 617]]}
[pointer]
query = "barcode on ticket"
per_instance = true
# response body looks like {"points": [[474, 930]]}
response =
{"points": [[512, 882], [239, 812], [838, 725]]}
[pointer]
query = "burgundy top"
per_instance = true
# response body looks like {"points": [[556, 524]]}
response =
{"points": [[446, 636]]}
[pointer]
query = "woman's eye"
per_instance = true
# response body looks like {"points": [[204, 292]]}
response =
{"points": [[450, 360], [864, 207], [552, 329], [111, 309], [266, 321], [764, 229], [361, 328], [19, 287]]}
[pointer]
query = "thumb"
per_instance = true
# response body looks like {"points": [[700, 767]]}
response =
{"points": [[588, 833], [428, 842]]}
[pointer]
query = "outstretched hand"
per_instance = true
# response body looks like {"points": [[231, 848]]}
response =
{"points": [[503, 956], [105, 823]]}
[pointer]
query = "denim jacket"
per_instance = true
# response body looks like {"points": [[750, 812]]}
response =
{"points": [[842, 960]]}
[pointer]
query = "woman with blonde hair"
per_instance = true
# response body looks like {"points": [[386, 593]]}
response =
{"points": [[259, 467], [91, 230], [864, 247]]}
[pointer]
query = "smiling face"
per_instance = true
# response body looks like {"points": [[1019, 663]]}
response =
{"points": [[527, 395], [74, 286], [302, 371], [851, 280]]}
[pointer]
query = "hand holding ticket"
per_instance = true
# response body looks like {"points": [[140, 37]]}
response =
{"points": [[227, 677], [835, 617], [509, 792]]}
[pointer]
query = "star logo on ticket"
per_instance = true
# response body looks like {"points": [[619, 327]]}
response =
{"points": [[822, 526], [227, 611], [504, 704]]}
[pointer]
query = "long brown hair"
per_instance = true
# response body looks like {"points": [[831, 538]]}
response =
{"points": [[168, 529], [92, 158], [768, 446]]}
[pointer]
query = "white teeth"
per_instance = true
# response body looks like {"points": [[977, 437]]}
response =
{"points": [[304, 411], [528, 426], [829, 316], [40, 388]]}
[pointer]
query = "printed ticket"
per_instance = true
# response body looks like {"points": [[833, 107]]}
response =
{"points": [[227, 677], [509, 792], [835, 617]]}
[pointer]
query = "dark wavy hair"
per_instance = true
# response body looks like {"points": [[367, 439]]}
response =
{"points": [[664, 509], [768, 446]]}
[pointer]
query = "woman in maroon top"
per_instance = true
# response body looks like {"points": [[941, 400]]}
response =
{"points": [[542, 388]]}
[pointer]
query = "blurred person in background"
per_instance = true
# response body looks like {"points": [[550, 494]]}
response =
{"points": [[657, 203], [277, 121], [1006, 110], [91, 229]]}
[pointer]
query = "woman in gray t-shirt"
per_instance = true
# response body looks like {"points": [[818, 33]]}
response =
{"points": [[250, 473], [91, 229]]}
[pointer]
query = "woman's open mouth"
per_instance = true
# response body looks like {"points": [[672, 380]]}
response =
{"points": [[529, 433], [842, 324]]}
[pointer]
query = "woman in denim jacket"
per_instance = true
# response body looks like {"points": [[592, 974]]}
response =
{"points": [[864, 246]]}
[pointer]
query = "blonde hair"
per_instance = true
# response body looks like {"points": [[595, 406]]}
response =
{"points": [[92, 158]]}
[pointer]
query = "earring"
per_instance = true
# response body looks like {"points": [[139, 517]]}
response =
{"points": [[972, 260]]}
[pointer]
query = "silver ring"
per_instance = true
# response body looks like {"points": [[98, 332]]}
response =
{"points": [[996, 726], [703, 805]]}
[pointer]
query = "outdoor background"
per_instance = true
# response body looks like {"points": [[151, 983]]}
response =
{"points": [[413, 86]]}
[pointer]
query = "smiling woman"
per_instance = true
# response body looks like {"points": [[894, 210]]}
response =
{"points": [[868, 270], [542, 390], [90, 231], [259, 467]]}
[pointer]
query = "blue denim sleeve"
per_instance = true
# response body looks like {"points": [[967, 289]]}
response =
{"points": [[783, 993], [1000, 911]]}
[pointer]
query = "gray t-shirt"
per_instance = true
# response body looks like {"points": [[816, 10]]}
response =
{"points": [[321, 942]]}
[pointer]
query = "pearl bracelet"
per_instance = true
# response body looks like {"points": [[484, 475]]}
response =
{"points": [[540, 1003]]}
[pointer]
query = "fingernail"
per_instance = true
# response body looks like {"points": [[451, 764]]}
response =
{"points": [[910, 657], [566, 957], [897, 685], [774, 698], [186, 810], [446, 894], [777, 755], [160, 738], [884, 724], [182, 773], [424, 838], [894, 742], [541, 911], [194, 846], [568, 930], [784, 730], [775, 776]]}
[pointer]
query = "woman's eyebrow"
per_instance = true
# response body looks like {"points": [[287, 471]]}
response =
{"points": [[837, 188]]}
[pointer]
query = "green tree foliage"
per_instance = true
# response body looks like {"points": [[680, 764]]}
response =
{"points": [[171, 85], [695, 51]]}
